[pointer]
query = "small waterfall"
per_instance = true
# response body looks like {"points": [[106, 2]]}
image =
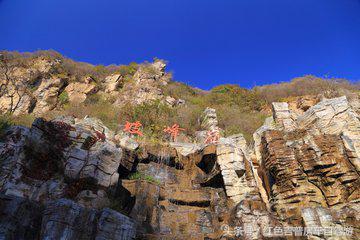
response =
{"points": [[159, 166], [161, 173]]}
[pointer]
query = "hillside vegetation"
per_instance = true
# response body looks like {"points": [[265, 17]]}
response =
{"points": [[239, 110]]}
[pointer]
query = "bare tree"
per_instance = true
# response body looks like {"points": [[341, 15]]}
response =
{"points": [[8, 86]]}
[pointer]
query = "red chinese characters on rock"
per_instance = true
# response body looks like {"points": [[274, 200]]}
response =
{"points": [[173, 131], [212, 136], [133, 128]]}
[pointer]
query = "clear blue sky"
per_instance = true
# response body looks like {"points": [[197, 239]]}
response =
{"points": [[207, 42]]}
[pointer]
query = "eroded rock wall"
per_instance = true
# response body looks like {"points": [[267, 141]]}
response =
{"points": [[310, 172], [76, 179]]}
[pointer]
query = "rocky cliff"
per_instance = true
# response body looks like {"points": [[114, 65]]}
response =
{"points": [[39, 84], [75, 178]]}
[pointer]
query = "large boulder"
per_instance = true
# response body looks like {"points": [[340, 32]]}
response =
{"points": [[112, 83], [79, 91], [47, 94]]}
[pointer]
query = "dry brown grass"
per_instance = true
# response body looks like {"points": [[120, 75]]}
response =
{"points": [[307, 85]]}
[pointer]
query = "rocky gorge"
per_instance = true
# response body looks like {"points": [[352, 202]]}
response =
{"points": [[75, 178]]}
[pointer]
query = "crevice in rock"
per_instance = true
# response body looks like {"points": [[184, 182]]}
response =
{"points": [[32, 106], [74, 187], [307, 178], [215, 181], [168, 161], [201, 204], [319, 167], [348, 181], [123, 172], [122, 200], [207, 163]]}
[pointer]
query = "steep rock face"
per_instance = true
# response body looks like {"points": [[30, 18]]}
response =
{"points": [[47, 94], [71, 171], [310, 170], [176, 205], [41, 84], [231, 161], [79, 91], [209, 123], [20, 218], [209, 119], [76, 149], [112, 83], [61, 220], [283, 116], [145, 86], [30, 87]]}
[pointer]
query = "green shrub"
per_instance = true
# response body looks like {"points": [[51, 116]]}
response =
{"points": [[93, 99], [5, 123], [102, 110], [233, 120], [306, 85], [179, 90], [130, 69], [63, 98], [100, 69], [139, 176], [154, 116], [25, 120]]}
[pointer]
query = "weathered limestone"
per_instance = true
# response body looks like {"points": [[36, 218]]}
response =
{"points": [[301, 172], [81, 150], [114, 225], [112, 83], [185, 149], [269, 124], [282, 116], [61, 220], [335, 116], [92, 155], [18, 93], [145, 86], [232, 165], [16, 101], [341, 223], [47, 94], [209, 119], [78, 91], [311, 170], [20, 218]]}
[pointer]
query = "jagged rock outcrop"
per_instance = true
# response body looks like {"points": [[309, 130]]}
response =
{"points": [[209, 119], [78, 149], [20, 218], [300, 175], [112, 83], [146, 85], [39, 85], [283, 117], [23, 85], [79, 91], [61, 219], [310, 167], [47, 94], [209, 123]]}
